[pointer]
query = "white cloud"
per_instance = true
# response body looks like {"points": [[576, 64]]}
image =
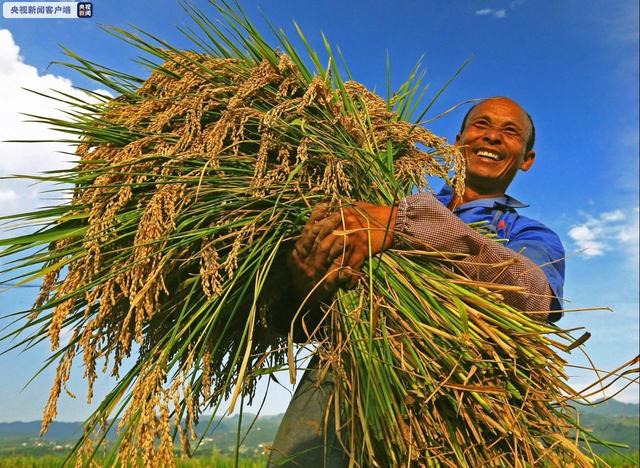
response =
{"points": [[500, 13], [615, 230], [616, 215], [27, 158], [585, 237], [7, 195], [628, 234]]}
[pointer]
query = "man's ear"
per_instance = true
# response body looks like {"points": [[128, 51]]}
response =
{"points": [[528, 160], [457, 143]]}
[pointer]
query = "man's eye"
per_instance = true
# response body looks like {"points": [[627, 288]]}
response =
{"points": [[511, 131], [481, 124]]}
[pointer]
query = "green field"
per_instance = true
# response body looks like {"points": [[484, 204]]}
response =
{"points": [[223, 461], [20, 445], [50, 461]]}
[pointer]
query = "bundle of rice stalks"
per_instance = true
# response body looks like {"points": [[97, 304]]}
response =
{"points": [[191, 186]]}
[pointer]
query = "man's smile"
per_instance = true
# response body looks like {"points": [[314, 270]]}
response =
{"points": [[488, 154]]}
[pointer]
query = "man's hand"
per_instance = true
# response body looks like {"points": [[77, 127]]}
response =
{"points": [[333, 247]]}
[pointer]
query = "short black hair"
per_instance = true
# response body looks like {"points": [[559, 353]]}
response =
{"points": [[530, 141]]}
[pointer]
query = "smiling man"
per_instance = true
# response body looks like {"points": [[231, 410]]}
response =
{"points": [[497, 138]]}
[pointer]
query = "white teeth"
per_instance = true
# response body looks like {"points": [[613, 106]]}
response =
{"points": [[487, 154]]}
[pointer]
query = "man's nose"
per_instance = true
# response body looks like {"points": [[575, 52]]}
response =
{"points": [[492, 135]]}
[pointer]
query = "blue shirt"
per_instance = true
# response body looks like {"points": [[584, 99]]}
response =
{"points": [[524, 235]]}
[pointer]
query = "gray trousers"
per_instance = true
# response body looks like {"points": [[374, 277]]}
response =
{"points": [[301, 440]]}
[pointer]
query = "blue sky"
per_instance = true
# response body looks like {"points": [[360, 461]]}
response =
{"points": [[573, 64]]}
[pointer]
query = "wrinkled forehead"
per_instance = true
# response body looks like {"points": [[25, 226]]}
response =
{"points": [[501, 110]]}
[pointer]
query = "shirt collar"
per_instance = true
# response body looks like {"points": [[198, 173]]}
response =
{"points": [[504, 202]]}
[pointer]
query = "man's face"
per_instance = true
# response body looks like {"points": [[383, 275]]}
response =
{"points": [[494, 143]]}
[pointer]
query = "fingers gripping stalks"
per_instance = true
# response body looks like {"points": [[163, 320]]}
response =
{"points": [[334, 245], [317, 256]]}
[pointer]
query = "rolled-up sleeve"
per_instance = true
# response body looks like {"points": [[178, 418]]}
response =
{"points": [[423, 222]]}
